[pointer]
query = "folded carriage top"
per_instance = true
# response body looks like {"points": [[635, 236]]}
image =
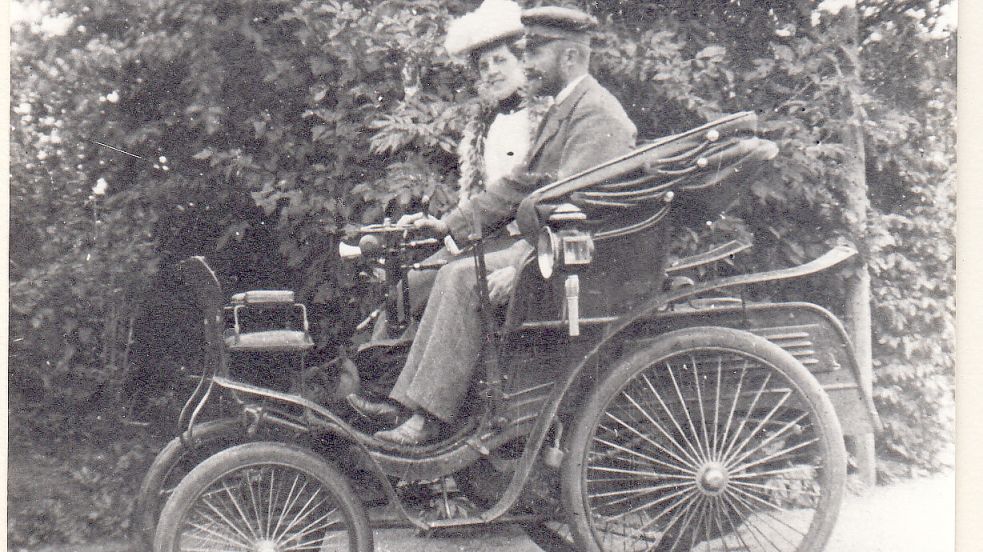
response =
{"points": [[633, 192]]}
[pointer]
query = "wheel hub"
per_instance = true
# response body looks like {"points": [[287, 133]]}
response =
{"points": [[712, 478], [266, 545]]}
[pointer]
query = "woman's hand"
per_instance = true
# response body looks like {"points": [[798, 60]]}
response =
{"points": [[421, 220], [500, 285]]}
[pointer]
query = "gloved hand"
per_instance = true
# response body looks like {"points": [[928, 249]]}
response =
{"points": [[421, 220], [500, 285]]}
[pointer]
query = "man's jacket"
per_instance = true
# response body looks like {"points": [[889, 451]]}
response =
{"points": [[587, 128]]}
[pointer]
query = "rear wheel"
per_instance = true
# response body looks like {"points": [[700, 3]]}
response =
{"points": [[709, 439], [263, 497]]}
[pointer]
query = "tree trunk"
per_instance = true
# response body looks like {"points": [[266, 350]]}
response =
{"points": [[858, 311]]}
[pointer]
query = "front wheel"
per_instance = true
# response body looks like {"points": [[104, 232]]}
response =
{"points": [[174, 462], [268, 497], [707, 439]]}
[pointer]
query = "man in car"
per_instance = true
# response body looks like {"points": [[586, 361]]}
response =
{"points": [[585, 126]]}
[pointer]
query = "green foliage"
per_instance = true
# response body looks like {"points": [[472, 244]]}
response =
{"points": [[911, 174], [72, 488], [296, 120]]}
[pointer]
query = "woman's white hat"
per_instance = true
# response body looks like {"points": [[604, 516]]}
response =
{"points": [[493, 21]]}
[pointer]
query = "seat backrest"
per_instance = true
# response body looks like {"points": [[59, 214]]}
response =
{"points": [[195, 273]]}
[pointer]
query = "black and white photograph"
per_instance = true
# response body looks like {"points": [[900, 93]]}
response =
{"points": [[482, 275]]}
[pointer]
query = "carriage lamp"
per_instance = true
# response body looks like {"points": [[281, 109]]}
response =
{"points": [[564, 244]]}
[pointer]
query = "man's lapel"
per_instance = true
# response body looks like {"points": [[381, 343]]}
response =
{"points": [[555, 116]]}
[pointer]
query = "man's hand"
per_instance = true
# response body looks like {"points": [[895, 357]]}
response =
{"points": [[500, 285], [421, 220]]}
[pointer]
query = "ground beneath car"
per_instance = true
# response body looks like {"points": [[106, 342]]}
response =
{"points": [[911, 516]]}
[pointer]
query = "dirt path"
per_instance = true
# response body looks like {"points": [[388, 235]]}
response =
{"points": [[913, 516]]}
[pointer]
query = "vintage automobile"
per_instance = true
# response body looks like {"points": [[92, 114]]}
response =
{"points": [[622, 403]]}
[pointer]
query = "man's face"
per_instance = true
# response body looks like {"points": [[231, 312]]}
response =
{"points": [[542, 66]]}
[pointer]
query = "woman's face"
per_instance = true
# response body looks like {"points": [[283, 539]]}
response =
{"points": [[500, 73]]}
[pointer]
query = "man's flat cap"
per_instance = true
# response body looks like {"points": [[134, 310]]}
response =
{"points": [[556, 22]]}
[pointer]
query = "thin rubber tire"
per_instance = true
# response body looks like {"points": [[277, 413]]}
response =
{"points": [[173, 462], [261, 512], [708, 438]]}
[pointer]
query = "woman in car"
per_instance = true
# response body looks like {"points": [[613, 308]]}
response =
{"points": [[501, 124]]}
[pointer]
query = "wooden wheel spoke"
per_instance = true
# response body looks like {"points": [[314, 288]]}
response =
{"points": [[672, 418], [648, 505], [699, 521], [220, 537], [692, 507], [745, 484], [752, 529], [782, 431], [254, 502], [230, 523], [733, 410], [312, 527], [716, 407], [242, 514], [761, 423], [271, 500], [302, 513], [646, 474], [747, 416], [288, 503], [638, 493], [689, 419], [684, 467], [680, 499], [315, 544], [699, 400], [774, 455], [717, 519], [639, 490], [758, 474], [726, 507], [771, 507]]}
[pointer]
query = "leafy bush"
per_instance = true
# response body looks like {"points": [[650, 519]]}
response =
{"points": [[72, 489]]}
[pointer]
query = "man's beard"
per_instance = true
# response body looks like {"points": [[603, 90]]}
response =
{"points": [[543, 85]]}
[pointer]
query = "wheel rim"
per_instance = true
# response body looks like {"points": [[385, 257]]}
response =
{"points": [[265, 508], [707, 450]]}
